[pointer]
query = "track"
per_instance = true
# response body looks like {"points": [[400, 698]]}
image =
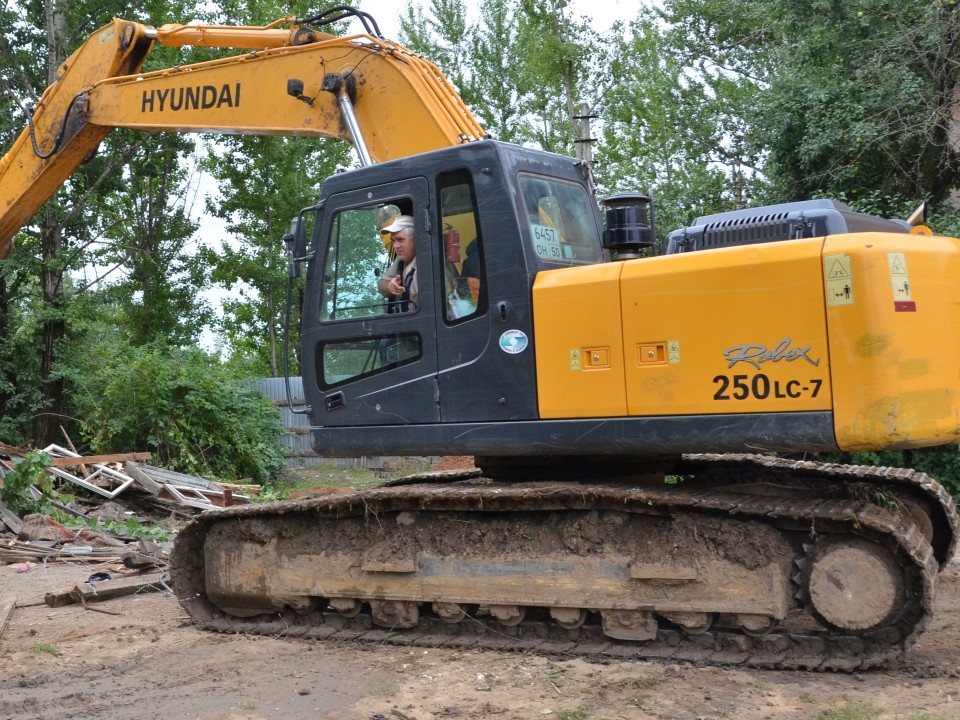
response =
{"points": [[800, 503]]}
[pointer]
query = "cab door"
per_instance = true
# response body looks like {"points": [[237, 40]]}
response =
{"points": [[371, 363]]}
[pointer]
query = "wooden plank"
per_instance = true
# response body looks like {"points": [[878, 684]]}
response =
{"points": [[110, 589], [10, 519], [6, 610], [98, 459], [106, 590], [141, 478], [244, 488], [59, 598]]}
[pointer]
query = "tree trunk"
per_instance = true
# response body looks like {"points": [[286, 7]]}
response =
{"points": [[51, 240], [49, 419]]}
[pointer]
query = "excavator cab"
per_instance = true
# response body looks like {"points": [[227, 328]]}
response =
{"points": [[488, 218]]}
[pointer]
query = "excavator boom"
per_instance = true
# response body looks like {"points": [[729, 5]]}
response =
{"points": [[387, 100]]}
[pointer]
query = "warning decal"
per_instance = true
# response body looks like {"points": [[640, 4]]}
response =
{"points": [[838, 281], [899, 277], [673, 352]]}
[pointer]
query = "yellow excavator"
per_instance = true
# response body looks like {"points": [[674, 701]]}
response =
{"points": [[645, 426]]}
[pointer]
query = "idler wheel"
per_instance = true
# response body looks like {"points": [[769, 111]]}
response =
{"points": [[854, 585]]}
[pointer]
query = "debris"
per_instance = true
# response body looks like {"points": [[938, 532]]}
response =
{"points": [[10, 520], [104, 590], [15, 551], [6, 610], [186, 489], [42, 527], [74, 459], [138, 561]]}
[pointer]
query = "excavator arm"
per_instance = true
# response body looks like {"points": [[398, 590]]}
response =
{"points": [[386, 100]]}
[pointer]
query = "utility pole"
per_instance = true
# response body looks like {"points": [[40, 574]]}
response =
{"points": [[585, 142]]}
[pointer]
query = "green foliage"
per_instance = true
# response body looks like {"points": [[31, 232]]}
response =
{"points": [[851, 710], [181, 405], [45, 647], [29, 470], [264, 182], [852, 98], [941, 463], [128, 528]]}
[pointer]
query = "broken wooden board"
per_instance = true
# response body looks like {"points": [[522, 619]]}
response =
{"points": [[104, 590], [19, 551], [70, 461], [6, 610], [186, 490], [10, 519], [141, 478]]}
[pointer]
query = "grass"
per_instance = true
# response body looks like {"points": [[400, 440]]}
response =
{"points": [[45, 647], [310, 477], [382, 690], [853, 710], [576, 714]]}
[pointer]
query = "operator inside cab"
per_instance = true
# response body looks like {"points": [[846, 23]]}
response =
{"points": [[399, 281]]}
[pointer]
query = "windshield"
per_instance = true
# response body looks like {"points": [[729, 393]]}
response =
{"points": [[562, 222]]}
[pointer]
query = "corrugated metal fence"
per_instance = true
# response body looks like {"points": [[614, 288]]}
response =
{"points": [[296, 428]]}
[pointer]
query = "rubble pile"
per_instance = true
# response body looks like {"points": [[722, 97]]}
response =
{"points": [[112, 493]]}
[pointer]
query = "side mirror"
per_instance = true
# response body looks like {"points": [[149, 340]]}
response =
{"points": [[296, 242]]}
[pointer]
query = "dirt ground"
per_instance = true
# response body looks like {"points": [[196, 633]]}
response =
{"points": [[145, 660]]}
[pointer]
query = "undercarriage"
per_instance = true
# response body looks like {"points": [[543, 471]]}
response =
{"points": [[728, 559]]}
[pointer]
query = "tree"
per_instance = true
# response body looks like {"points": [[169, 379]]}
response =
{"points": [[182, 405], [72, 229], [852, 99], [264, 182], [662, 132]]}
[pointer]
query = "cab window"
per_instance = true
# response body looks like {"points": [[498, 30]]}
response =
{"points": [[560, 220], [357, 255], [461, 249]]}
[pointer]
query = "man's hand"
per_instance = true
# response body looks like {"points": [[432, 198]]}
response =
{"points": [[395, 286]]}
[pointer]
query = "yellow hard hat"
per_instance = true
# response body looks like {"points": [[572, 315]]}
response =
{"points": [[385, 216]]}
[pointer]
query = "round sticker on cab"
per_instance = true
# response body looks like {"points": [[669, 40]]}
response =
{"points": [[513, 342]]}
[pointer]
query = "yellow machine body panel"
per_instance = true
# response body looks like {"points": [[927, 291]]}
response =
{"points": [[862, 325], [579, 342], [740, 330], [894, 339]]}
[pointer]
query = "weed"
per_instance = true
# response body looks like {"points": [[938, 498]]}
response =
{"points": [[851, 710], [128, 527], [555, 675], [382, 690], [30, 470], [45, 647], [248, 705], [576, 714], [486, 682]]}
